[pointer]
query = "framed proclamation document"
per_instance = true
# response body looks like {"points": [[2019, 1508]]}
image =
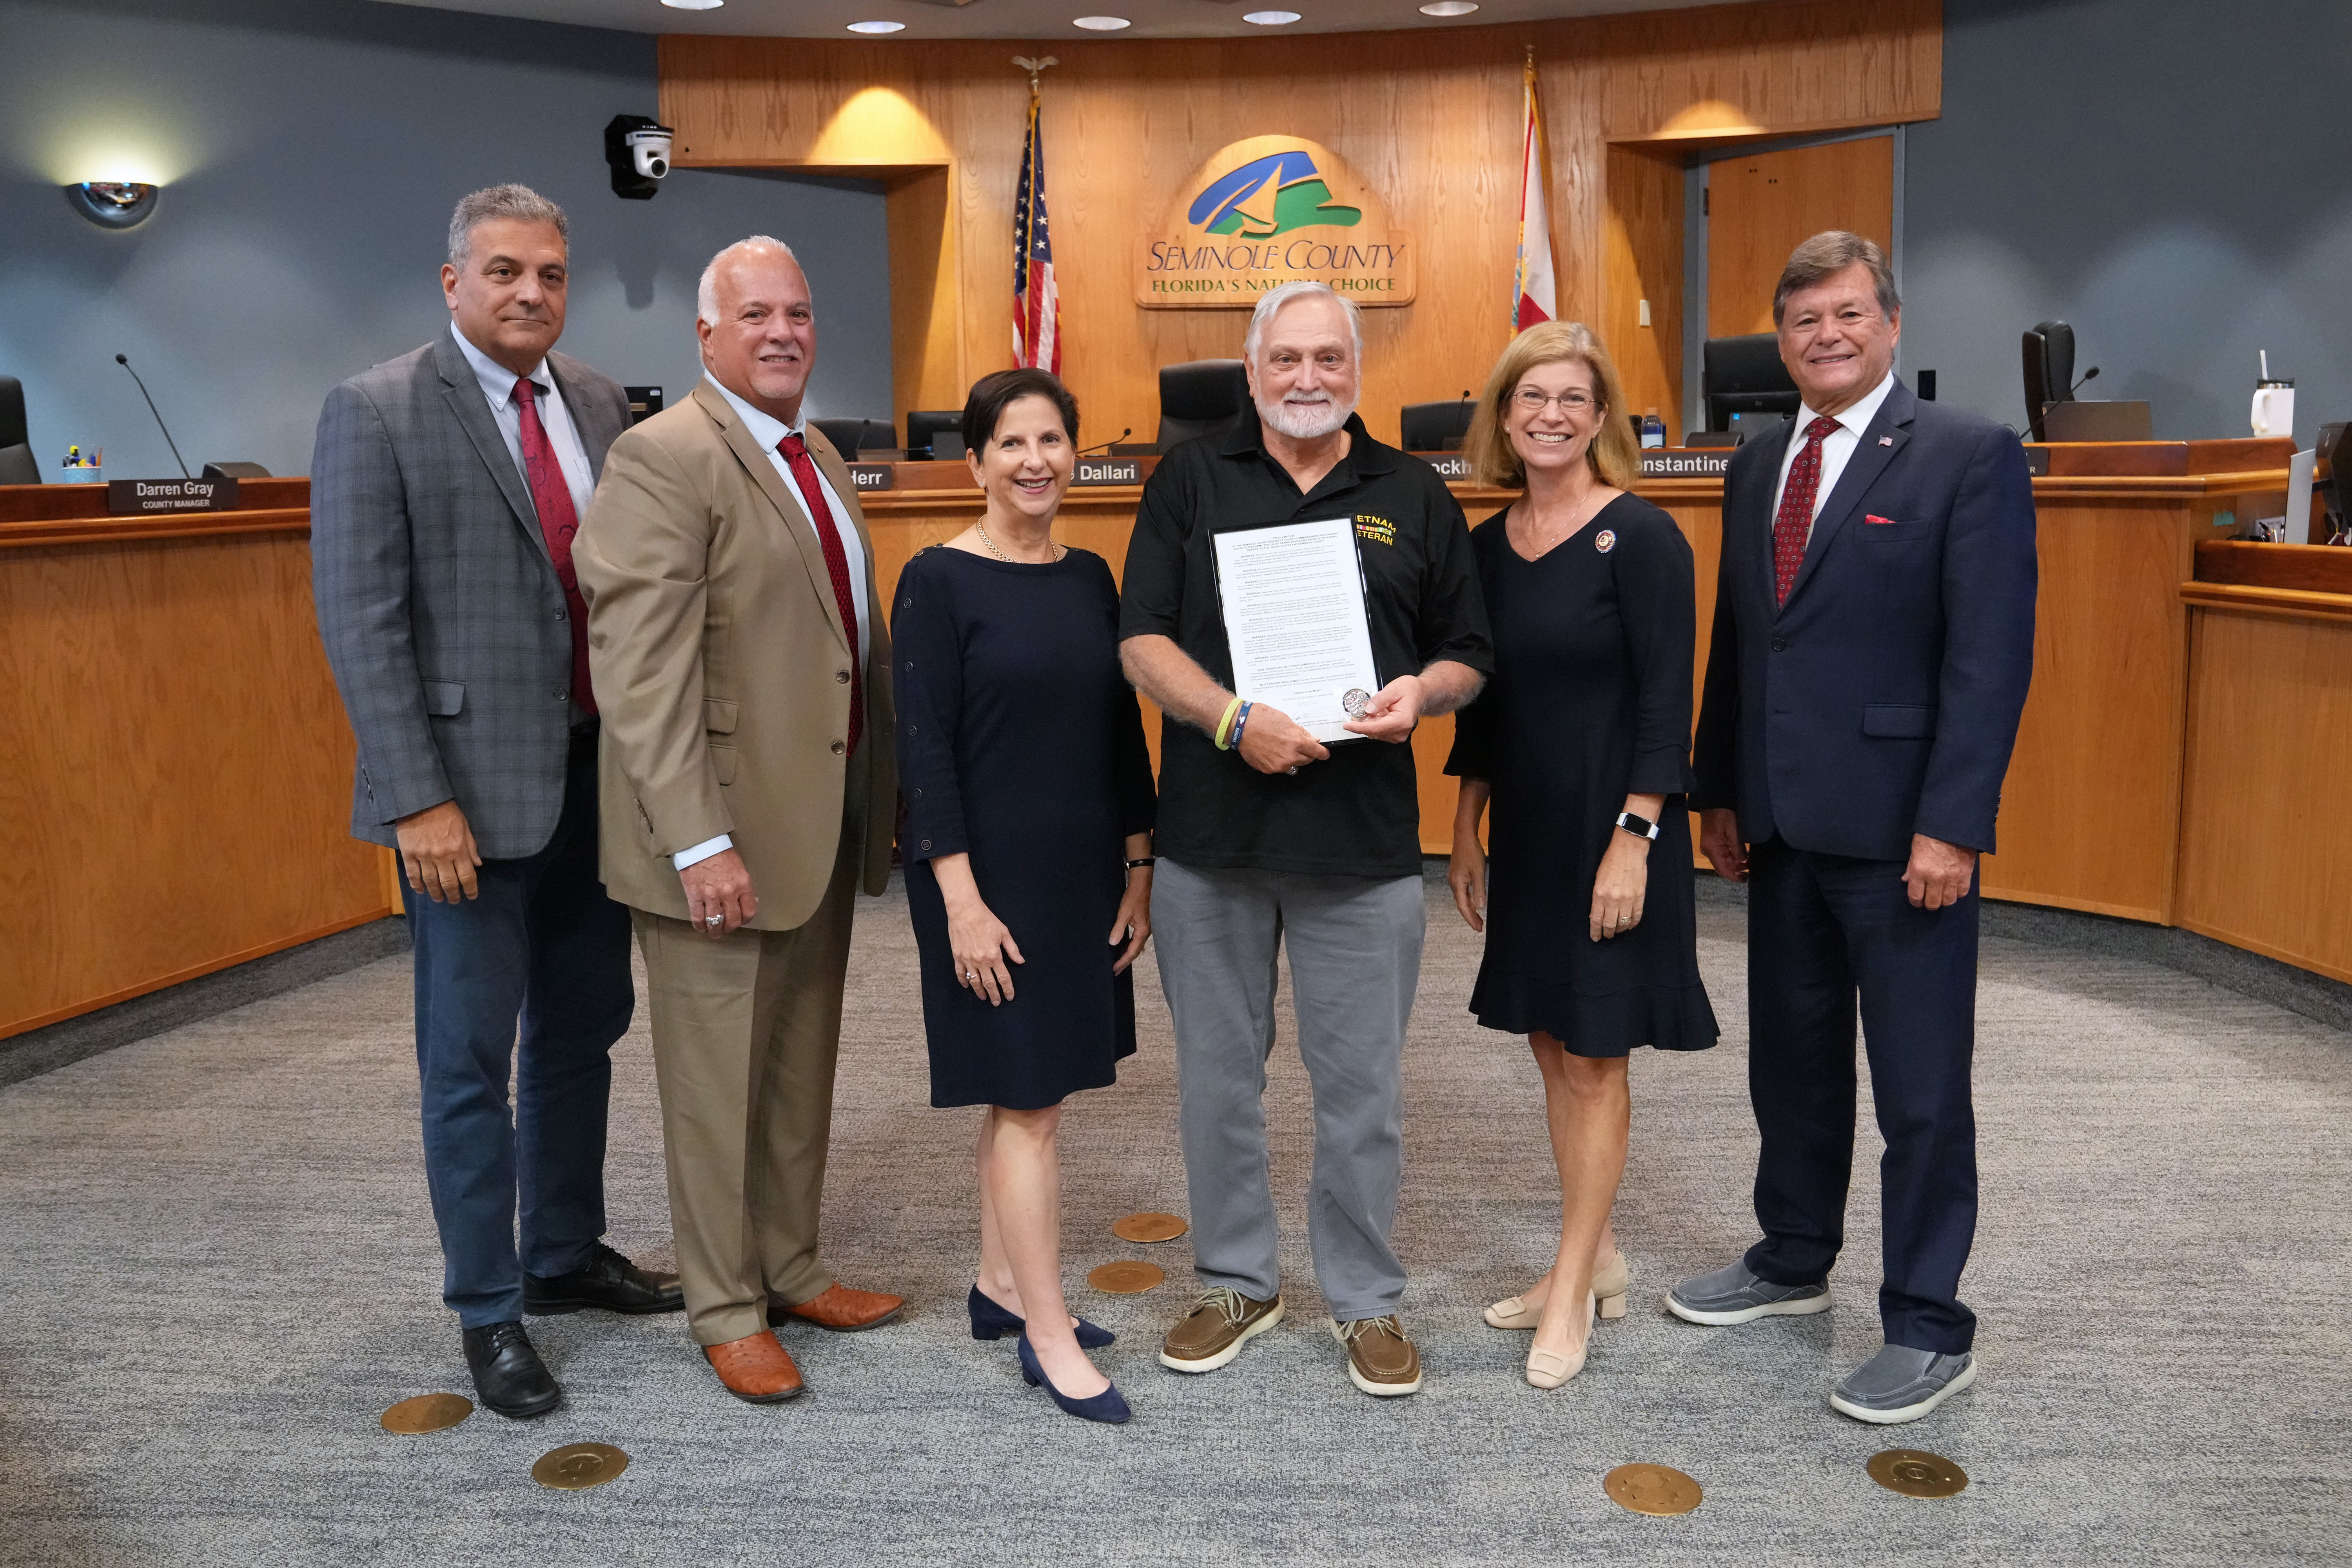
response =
{"points": [[1294, 602]]}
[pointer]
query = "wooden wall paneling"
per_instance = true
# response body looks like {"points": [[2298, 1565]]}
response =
{"points": [[1430, 118], [1642, 258], [2269, 869], [176, 794], [1760, 206]]}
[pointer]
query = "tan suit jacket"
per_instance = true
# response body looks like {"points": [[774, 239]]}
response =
{"points": [[721, 669]]}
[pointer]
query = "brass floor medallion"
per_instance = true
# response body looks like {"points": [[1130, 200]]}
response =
{"points": [[1149, 1227], [428, 1412], [1916, 1474], [1659, 1490], [576, 1467], [1127, 1277]]}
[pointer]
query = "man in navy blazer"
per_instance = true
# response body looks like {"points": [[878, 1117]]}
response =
{"points": [[1872, 643]]}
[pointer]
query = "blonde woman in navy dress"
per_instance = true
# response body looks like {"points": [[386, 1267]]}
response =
{"points": [[1027, 844], [1581, 747]]}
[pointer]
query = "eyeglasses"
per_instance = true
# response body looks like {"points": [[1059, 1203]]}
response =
{"points": [[1527, 400]]}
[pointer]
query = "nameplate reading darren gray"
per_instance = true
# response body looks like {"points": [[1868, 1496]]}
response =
{"points": [[133, 498], [872, 476], [1683, 464], [1107, 471]]}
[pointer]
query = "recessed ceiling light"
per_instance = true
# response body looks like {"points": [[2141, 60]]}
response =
{"points": [[878, 26], [1272, 18], [1449, 7], [694, 5], [1101, 23]]}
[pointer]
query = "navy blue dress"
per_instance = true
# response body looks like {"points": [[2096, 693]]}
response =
{"points": [[1020, 744], [1591, 702]]}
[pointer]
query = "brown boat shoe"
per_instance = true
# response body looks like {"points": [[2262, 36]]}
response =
{"points": [[1380, 1360], [1221, 1321], [841, 1309]]}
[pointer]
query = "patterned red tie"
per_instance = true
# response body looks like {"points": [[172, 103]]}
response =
{"points": [[1794, 525], [551, 494], [836, 562]]}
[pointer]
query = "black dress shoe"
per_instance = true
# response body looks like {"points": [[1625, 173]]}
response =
{"points": [[607, 1281], [507, 1373]]}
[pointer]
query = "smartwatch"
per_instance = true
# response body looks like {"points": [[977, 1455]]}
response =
{"points": [[1639, 826]]}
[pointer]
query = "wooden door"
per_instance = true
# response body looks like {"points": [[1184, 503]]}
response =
{"points": [[1760, 208]]}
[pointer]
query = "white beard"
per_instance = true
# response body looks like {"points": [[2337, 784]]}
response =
{"points": [[1306, 421]]}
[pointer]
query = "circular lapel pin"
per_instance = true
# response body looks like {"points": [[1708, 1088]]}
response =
{"points": [[1605, 540]]}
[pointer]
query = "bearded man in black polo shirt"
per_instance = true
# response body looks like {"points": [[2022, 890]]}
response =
{"points": [[1279, 839]]}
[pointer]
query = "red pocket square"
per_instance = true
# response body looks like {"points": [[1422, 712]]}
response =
{"points": [[1883, 521]]}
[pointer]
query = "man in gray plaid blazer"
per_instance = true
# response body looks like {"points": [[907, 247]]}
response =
{"points": [[445, 491]]}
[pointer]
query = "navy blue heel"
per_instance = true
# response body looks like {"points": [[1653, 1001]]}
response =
{"points": [[1109, 1406], [990, 1321]]}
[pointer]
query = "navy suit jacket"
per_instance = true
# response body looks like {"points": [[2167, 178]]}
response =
{"points": [[1883, 699]]}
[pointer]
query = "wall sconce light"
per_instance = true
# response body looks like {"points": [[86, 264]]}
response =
{"points": [[113, 204]]}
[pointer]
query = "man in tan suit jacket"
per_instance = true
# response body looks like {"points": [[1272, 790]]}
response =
{"points": [[741, 659]]}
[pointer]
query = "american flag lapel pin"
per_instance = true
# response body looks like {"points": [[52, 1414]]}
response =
{"points": [[1886, 440]]}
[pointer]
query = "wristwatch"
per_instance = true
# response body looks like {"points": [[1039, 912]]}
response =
{"points": [[1639, 826]]}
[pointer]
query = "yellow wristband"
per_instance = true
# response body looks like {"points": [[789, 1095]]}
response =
{"points": [[1222, 738]]}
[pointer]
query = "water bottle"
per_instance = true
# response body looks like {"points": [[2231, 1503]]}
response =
{"points": [[1654, 430]]}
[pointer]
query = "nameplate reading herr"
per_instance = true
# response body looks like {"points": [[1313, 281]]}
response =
{"points": [[1107, 471], [1659, 463], [873, 476], [132, 497]]}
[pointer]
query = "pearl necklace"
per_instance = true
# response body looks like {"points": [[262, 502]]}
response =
{"points": [[1058, 550]]}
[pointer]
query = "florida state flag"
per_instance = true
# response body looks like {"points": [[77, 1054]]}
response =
{"points": [[1534, 298]]}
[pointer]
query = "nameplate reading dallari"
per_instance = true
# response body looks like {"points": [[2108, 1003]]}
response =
{"points": [[1106, 471]]}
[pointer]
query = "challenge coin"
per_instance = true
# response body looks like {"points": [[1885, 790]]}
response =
{"points": [[1355, 701], [576, 1467]]}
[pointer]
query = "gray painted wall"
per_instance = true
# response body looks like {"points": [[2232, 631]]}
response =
{"points": [[314, 149], [2169, 176]]}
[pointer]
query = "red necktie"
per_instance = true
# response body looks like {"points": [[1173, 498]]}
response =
{"points": [[1794, 525], [836, 562], [551, 494]]}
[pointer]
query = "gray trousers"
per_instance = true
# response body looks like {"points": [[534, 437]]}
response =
{"points": [[1354, 959]]}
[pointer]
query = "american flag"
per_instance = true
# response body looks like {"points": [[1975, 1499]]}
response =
{"points": [[1036, 307]]}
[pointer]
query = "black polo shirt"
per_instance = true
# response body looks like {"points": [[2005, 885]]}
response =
{"points": [[1357, 814]]}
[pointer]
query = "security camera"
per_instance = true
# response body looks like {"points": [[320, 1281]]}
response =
{"points": [[637, 151], [650, 150]]}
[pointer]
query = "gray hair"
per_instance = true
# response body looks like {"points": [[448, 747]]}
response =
{"points": [[1271, 305], [706, 293], [520, 203], [1827, 254]]}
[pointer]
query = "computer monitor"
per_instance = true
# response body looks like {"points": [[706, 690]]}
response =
{"points": [[2049, 351], [1744, 375], [925, 424]]}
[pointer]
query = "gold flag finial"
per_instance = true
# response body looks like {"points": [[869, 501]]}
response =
{"points": [[1034, 67]]}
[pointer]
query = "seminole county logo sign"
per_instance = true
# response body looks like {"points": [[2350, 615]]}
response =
{"points": [[1268, 211]]}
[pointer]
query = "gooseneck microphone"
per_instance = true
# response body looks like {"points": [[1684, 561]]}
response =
{"points": [[2089, 375], [1107, 445], [124, 360]]}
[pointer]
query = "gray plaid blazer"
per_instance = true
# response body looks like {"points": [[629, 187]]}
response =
{"points": [[441, 611]]}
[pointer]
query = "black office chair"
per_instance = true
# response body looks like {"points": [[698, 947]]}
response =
{"points": [[17, 465], [2049, 372], [925, 426], [850, 437], [1435, 426], [1744, 375], [1199, 397]]}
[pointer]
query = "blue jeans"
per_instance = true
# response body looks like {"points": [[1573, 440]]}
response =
{"points": [[544, 944]]}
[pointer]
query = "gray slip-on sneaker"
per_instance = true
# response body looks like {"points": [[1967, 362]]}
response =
{"points": [[1733, 1295], [1900, 1384]]}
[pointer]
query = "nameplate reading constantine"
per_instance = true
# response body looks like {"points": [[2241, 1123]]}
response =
{"points": [[1268, 211]]}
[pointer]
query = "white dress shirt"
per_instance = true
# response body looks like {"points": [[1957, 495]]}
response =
{"points": [[554, 418], [1837, 447], [767, 430]]}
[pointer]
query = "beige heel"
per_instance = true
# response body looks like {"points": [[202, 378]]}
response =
{"points": [[1548, 1369], [1513, 1313], [1610, 1283]]}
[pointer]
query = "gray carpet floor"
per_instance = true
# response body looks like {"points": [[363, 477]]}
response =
{"points": [[218, 1270]]}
